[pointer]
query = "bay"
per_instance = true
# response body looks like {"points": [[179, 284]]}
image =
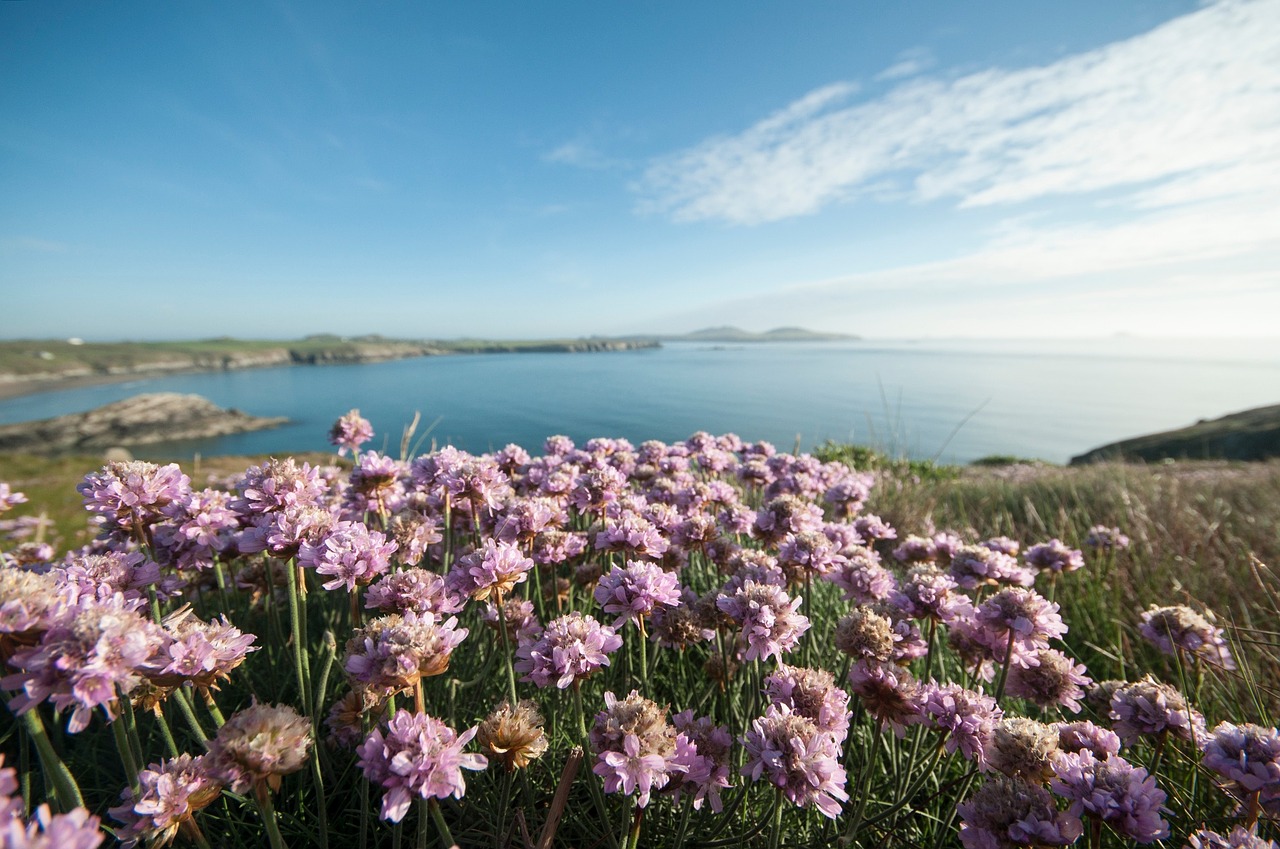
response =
{"points": [[956, 400]]}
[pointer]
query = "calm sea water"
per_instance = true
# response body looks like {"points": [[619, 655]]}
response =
{"points": [[956, 400]]}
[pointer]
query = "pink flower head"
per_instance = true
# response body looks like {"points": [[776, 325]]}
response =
{"points": [[393, 652], [419, 590], [130, 496], [350, 554], [861, 578], [929, 593], [494, 569], [169, 795], [813, 694], [790, 752], [1102, 538], [1054, 556], [569, 648], [1008, 812], [635, 745], [767, 618], [1026, 616], [89, 657], [277, 484], [702, 750], [1113, 790], [1247, 755], [418, 756], [635, 590], [349, 432], [1150, 708], [1179, 628], [968, 717]]}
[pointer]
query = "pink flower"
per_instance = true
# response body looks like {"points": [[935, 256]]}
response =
{"points": [[791, 753], [569, 648], [635, 590], [418, 756]]}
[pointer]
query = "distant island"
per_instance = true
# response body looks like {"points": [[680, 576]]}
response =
{"points": [[737, 334], [33, 365]]}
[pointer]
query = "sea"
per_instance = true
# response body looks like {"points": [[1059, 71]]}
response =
{"points": [[948, 400]]}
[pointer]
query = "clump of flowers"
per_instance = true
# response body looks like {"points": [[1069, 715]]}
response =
{"points": [[418, 756], [569, 648], [513, 736], [1112, 790], [349, 432], [767, 618], [1009, 812], [1054, 557], [169, 795], [793, 754], [635, 746], [635, 590], [258, 745], [1047, 678], [1179, 628], [1151, 708]]}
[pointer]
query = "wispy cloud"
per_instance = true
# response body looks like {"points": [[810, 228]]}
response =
{"points": [[1186, 112], [580, 154], [909, 63]]}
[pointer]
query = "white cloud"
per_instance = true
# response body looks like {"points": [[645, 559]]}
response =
{"points": [[1187, 111], [579, 154], [909, 63]]}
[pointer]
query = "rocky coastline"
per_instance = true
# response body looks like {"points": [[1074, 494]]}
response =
{"points": [[141, 420]]}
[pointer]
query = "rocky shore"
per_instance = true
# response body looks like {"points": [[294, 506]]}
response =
{"points": [[140, 420], [42, 365]]}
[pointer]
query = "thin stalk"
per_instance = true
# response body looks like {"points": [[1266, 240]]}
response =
{"points": [[166, 732], [1004, 668], [268, 812], [506, 650], [593, 783], [775, 833], [64, 784], [125, 750], [295, 633], [424, 831], [189, 714], [441, 825], [212, 707]]}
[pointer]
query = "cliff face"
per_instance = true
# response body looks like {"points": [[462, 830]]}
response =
{"points": [[141, 420]]}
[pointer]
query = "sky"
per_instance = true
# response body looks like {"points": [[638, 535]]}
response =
{"points": [[534, 170]]}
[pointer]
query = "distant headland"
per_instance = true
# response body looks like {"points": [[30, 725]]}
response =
{"points": [[36, 365]]}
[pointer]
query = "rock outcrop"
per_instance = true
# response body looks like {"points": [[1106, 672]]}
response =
{"points": [[1248, 435], [140, 420]]}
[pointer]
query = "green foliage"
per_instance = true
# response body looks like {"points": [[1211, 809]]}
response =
{"points": [[866, 459]]}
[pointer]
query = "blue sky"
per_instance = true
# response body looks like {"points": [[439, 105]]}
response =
{"points": [[567, 168]]}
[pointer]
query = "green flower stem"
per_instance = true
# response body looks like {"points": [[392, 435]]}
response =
{"points": [[441, 825], [506, 651], [593, 782], [166, 732], [295, 632], [212, 706], [269, 816], [125, 750], [424, 830], [66, 791], [189, 714]]}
